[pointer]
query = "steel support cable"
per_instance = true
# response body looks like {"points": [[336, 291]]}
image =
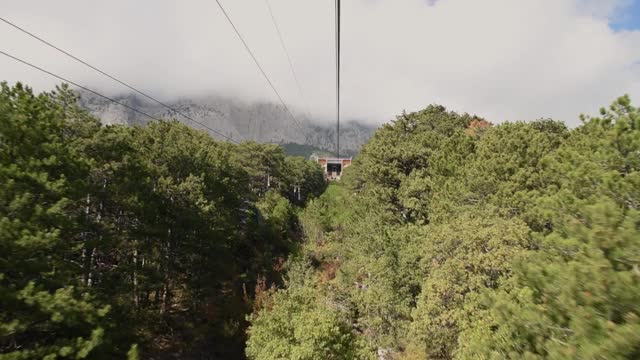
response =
{"points": [[255, 60], [112, 78], [78, 85], [286, 51], [338, 77]]}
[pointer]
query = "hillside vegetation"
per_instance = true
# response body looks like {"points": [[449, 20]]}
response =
{"points": [[450, 238], [138, 242]]}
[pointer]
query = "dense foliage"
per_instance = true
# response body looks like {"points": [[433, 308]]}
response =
{"points": [[123, 241], [453, 238], [448, 238]]}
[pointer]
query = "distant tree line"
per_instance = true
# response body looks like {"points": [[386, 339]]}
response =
{"points": [[128, 241]]}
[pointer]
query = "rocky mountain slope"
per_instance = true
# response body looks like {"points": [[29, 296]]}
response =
{"points": [[261, 122]]}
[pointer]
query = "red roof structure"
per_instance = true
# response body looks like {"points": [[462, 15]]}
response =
{"points": [[332, 166]]}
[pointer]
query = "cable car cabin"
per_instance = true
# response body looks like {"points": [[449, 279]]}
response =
{"points": [[332, 166]]}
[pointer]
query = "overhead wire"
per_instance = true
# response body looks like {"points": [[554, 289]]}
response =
{"points": [[110, 77], [255, 60], [337, 15], [78, 85], [286, 51]]}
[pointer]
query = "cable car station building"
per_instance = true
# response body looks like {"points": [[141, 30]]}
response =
{"points": [[332, 166]]}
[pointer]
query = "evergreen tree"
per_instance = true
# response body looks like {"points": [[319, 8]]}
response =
{"points": [[45, 312]]}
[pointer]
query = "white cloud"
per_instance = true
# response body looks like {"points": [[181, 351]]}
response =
{"points": [[503, 59]]}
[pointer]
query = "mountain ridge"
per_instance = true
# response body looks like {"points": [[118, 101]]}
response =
{"points": [[262, 122]]}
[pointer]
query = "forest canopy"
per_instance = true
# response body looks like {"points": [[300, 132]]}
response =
{"points": [[448, 238], [452, 238], [121, 241]]}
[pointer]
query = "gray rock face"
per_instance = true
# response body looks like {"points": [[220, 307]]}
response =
{"points": [[261, 122]]}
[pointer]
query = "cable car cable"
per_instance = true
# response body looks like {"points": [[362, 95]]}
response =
{"points": [[338, 76], [284, 47], [255, 60], [78, 85], [112, 78]]}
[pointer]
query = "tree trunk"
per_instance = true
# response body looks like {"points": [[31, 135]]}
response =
{"points": [[136, 299], [166, 286], [86, 258]]}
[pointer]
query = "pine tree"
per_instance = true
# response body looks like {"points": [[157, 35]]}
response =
{"points": [[43, 314]]}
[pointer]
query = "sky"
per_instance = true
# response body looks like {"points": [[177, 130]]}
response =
{"points": [[504, 60], [628, 17]]}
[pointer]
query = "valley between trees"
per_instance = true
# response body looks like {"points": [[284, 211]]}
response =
{"points": [[448, 238]]}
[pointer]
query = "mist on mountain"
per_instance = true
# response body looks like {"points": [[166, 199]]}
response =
{"points": [[262, 122]]}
